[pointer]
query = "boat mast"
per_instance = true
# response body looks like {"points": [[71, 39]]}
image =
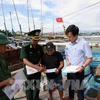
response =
{"points": [[4, 19], [12, 25], [28, 16], [41, 20], [17, 18], [53, 27], [33, 19]]}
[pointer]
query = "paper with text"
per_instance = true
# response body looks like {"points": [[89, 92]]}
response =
{"points": [[11, 90], [30, 70]]}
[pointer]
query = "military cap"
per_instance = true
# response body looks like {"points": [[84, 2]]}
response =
{"points": [[50, 46], [35, 34], [3, 39]]}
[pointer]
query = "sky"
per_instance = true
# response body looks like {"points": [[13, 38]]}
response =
{"points": [[43, 13]]}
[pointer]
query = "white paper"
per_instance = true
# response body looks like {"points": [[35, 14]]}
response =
{"points": [[50, 70], [70, 69], [11, 90], [30, 70]]}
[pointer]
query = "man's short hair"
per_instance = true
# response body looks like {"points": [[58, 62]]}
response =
{"points": [[72, 28]]}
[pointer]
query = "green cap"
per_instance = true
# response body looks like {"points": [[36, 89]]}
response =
{"points": [[3, 39], [35, 34]]}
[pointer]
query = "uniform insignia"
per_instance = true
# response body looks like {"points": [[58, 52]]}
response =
{"points": [[37, 33], [48, 46]]}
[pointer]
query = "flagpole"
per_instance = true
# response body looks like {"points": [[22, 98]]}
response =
{"points": [[60, 20]]}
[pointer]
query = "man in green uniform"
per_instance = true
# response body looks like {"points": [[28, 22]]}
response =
{"points": [[31, 55], [5, 76]]}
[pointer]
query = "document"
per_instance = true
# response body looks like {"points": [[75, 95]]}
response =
{"points": [[70, 69], [11, 90], [50, 70], [30, 70]]}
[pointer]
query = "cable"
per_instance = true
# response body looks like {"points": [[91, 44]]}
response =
{"points": [[81, 9], [82, 12]]}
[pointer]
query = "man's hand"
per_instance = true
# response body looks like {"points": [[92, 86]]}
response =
{"points": [[9, 81], [40, 69], [67, 63], [80, 69], [57, 71]]}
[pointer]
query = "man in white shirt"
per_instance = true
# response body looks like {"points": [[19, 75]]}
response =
{"points": [[78, 53]]}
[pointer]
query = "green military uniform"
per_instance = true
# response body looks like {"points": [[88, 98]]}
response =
{"points": [[33, 55], [4, 72]]}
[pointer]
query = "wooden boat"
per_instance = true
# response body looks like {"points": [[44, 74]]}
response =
{"points": [[13, 59]]}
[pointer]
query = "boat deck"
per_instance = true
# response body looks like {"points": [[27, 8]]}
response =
{"points": [[44, 95]]}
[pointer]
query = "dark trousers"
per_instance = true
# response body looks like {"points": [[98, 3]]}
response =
{"points": [[32, 94], [76, 84], [32, 90]]}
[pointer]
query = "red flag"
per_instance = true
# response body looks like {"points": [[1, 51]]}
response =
{"points": [[59, 19]]}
